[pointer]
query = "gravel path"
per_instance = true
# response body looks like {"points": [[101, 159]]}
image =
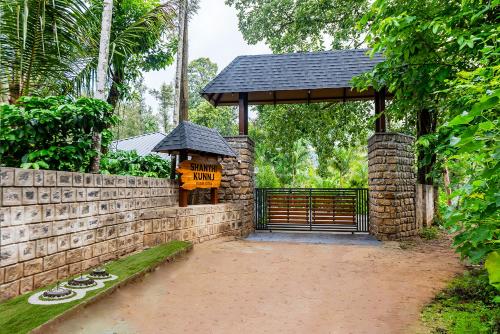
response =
{"points": [[271, 287]]}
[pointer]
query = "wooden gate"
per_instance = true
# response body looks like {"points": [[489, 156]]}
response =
{"points": [[312, 209]]}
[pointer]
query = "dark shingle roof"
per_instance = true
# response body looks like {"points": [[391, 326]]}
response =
{"points": [[290, 72], [197, 138], [142, 144], [304, 70]]}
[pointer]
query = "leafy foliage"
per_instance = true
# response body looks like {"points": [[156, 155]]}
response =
{"points": [[443, 57], [130, 163], [141, 40], [53, 132], [200, 72], [298, 166], [51, 47], [39, 45], [472, 286], [135, 117], [469, 142], [287, 135], [165, 98], [266, 177], [465, 306], [492, 264], [429, 233], [223, 119], [290, 25]]}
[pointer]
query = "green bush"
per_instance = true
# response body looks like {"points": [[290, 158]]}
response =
{"points": [[131, 163], [53, 132], [465, 306], [266, 177], [429, 233], [473, 286]]}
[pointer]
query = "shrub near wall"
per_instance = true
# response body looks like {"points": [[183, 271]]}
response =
{"points": [[131, 163], [54, 132]]}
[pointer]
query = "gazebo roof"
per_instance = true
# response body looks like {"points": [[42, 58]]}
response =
{"points": [[292, 78], [195, 138]]}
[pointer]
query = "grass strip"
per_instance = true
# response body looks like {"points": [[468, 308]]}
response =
{"points": [[18, 316], [465, 306]]}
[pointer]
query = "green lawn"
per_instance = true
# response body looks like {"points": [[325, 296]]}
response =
{"points": [[465, 306], [17, 316]]}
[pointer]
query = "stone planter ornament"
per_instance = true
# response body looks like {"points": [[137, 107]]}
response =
{"points": [[69, 291], [99, 273]]}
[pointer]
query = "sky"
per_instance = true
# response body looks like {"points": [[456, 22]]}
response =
{"points": [[213, 33]]}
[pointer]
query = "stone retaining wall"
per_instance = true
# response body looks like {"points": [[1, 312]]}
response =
{"points": [[57, 224], [391, 180], [238, 182], [237, 185]]}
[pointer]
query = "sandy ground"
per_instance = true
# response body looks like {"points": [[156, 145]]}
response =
{"points": [[268, 287]]}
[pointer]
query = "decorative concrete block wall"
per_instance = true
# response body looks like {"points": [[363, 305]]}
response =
{"points": [[57, 224], [391, 180], [197, 223]]}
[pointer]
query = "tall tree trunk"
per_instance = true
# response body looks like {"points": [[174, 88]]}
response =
{"points": [[102, 70], [114, 93], [184, 95], [446, 181], [181, 90], [426, 124], [14, 92], [181, 87]]}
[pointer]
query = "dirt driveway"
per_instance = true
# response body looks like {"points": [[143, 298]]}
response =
{"points": [[267, 287]]}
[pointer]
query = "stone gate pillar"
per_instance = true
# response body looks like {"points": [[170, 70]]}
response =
{"points": [[238, 178], [391, 182]]}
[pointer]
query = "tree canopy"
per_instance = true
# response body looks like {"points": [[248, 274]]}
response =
{"points": [[165, 98], [442, 68], [51, 47], [307, 25], [200, 72]]}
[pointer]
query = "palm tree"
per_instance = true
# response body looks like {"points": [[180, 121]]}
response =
{"points": [[142, 36], [52, 46], [102, 64], [40, 41], [102, 71]]}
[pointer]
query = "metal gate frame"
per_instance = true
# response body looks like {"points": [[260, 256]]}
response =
{"points": [[361, 207]]}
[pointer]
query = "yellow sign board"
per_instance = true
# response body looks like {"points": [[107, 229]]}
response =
{"points": [[198, 173]]}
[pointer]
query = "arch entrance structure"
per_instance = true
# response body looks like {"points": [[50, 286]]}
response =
{"points": [[387, 210]]}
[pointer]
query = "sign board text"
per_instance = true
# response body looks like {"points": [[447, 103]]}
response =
{"points": [[198, 173]]}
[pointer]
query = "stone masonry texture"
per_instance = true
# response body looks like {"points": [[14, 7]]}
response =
{"points": [[237, 185], [391, 180], [57, 224]]}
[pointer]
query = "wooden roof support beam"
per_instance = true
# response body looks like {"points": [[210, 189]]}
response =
{"points": [[183, 193], [217, 99], [380, 122], [243, 113]]}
